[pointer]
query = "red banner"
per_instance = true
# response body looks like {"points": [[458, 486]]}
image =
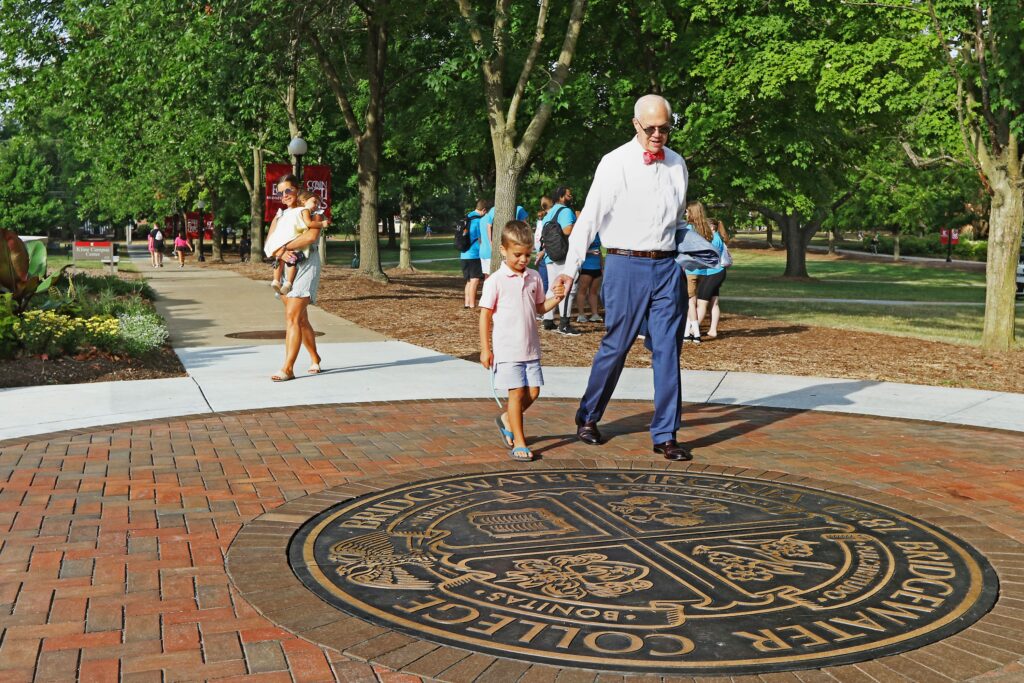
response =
{"points": [[944, 236], [192, 226], [315, 179]]}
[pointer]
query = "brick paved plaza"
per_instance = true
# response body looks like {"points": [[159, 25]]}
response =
{"points": [[112, 565]]}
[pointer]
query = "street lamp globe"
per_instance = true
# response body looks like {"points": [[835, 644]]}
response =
{"points": [[201, 204], [297, 147]]}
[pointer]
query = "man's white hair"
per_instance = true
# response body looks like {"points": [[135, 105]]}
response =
{"points": [[648, 100]]}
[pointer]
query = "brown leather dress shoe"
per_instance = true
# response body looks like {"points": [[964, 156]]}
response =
{"points": [[673, 451], [587, 433]]}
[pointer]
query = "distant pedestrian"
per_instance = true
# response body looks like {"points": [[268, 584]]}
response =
{"points": [[696, 217], [588, 288], [180, 246], [711, 284], [472, 272], [511, 299], [874, 242], [560, 211], [427, 232], [244, 248], [545, 206], [487, 234], [156, 235]]}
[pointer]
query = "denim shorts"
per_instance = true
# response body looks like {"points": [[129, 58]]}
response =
{"points": [[514, 375]]}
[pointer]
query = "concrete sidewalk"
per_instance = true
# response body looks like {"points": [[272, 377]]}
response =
{"points": [[202, 306]]}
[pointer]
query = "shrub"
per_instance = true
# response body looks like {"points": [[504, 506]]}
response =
{"points": [[8, 333], [141, 334], [48, 333], [102, 332], [929, 245]]}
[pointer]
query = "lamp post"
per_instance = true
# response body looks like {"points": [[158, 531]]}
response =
{"points": [[201, 204], [297, 148]]}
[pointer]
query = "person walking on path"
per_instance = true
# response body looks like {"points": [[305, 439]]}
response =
{"points": [[538, 263], [696, 278], [487, 234], [180, 246], [561, 211], [711, 284], [589, 287], [156, 253], [472, 273], [511, 299], [298, 330], [635, 203]]}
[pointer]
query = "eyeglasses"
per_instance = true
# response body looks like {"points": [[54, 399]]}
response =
{"points": [[289, 190], [664, 130]]}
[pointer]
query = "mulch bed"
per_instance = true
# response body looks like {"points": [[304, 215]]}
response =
{"points": [[426, 309], [89, 367]]}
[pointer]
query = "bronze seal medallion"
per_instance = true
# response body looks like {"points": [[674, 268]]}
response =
{"points": [[644, 571]]}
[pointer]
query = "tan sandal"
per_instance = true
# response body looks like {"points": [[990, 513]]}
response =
{"points": [[314, 369], [282, 377]]}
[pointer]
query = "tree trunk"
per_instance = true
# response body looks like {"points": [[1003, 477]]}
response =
{"points": [[217, 254], [389, 223], [256, 206], [896, 246], [369, 183], [405, 245], [1006, 218], [509, 172], [768, 236], [796, 245]]}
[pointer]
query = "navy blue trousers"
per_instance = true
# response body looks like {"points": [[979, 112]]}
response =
{"points": [[635, 289]]}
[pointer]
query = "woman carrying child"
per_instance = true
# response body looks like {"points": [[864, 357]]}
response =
{"points": [[510, 300], [298, 330], [295, 220]]}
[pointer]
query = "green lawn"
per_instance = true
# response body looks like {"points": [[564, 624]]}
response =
{"points": [[758, 273], [57, 262]]}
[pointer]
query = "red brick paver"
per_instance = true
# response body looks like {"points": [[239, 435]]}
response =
{"points": [[113, 540]]}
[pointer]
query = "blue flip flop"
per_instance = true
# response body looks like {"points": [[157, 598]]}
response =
{"points": [[522, 454], [506, 435]]}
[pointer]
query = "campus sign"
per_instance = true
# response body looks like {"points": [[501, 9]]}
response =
{"points": [[315, 179]]}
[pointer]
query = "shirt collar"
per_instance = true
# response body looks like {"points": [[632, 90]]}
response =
{"points": [[508, 272]]}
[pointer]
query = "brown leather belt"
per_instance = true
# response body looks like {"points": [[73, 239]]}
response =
{"points": [[642, 254]]}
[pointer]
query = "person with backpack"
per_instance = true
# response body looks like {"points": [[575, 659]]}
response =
{"points": [[156, 253], [487, 233], [467, 241], [554, 239]]}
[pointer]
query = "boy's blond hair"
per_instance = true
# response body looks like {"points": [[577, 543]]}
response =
{"points": [[306, 195], [517, 232]]}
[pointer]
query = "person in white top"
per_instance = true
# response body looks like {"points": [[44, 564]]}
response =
{"points": [[635, 203]]}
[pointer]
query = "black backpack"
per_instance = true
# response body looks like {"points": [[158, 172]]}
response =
{"points": [[462, 230], [553, 241]]}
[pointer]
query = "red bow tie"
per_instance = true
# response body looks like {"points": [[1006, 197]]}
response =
{"points": [[651, 157]]}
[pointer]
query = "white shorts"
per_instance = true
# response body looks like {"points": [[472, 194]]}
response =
{"points": [[514, 375], [485, 265]]}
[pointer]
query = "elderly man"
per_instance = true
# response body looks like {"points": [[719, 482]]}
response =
{"points": [[636, 202]]}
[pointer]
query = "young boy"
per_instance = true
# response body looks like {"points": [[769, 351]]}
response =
{"points": [[509, 303]]}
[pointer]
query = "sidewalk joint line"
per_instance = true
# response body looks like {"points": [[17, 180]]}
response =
{"points": [[715, 390], [202, 393]]}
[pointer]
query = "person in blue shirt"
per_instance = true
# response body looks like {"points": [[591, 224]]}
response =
{"points": [[486, 234], [589, 287], [703, 283], [562, 209], [471, 271]]}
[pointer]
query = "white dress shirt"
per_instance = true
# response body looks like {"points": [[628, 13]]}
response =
{"points": [[631, 205]]}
